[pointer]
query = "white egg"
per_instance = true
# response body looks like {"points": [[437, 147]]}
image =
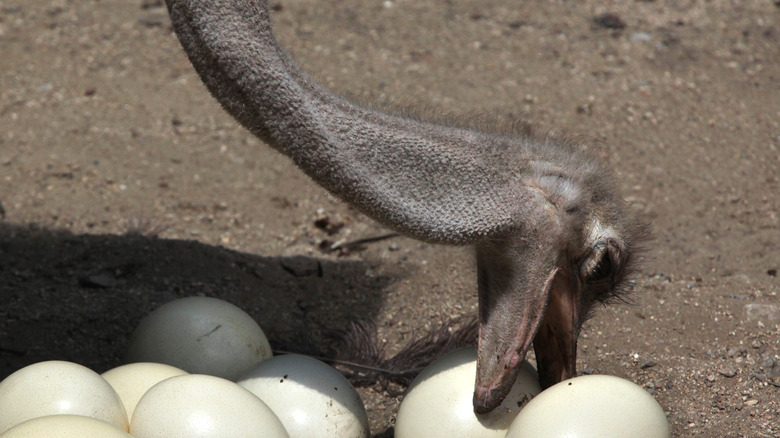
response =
{"points": [[65, 426], [312, 399], [201, 406], [199, 335], [58, 387], [589, 407], [439, 402], [131, 381]]}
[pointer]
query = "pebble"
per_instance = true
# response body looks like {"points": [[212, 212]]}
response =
{"points": [[610, 21], [736, 352], [154, 19], [640, 36], [766, 313], [648, 364], [299, 266], [728, 371], [101, 280]]}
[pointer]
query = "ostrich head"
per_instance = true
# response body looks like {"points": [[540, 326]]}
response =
{"points": [[540, 281]]}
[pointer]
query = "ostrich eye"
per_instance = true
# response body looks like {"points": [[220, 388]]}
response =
{"points": [[601, 264], [602, 269]]}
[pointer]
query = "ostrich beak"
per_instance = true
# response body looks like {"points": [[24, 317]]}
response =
{"points": [[555, 343], [539, 307]]}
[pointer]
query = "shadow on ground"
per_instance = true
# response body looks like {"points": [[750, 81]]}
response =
{"points": [[79, 297]]}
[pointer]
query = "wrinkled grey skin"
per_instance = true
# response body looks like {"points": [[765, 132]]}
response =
{"points": [[552, 235]]}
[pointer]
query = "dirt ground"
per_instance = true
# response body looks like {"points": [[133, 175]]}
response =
{"points": [[124, 185]]}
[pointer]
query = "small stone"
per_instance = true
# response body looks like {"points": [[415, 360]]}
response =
{"points": [[153, 19], [101, 280], [640, 36], [751, 402], [728, 371], [736, 352], [648, 364], [610, 21], [300, 266], [767, 313], [766, 361]]}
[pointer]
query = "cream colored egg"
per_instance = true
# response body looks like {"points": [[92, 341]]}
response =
{"points": [[595, 406], [439, 402], [312, 399], [131, 381], [199, 335], [57, 387], [65, 426], [201, 406]]}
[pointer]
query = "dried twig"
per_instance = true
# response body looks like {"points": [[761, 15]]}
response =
{"points": [[355, 243]]}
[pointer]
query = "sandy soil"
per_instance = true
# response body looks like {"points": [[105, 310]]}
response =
{"points": [[124, 185]]}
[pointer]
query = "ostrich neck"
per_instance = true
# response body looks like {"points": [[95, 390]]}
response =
{"points": [[433, 182]]}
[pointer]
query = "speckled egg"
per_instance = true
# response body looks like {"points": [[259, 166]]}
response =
{"points": [[439, 402], [312, 399], [595, 406], [199, 335]]}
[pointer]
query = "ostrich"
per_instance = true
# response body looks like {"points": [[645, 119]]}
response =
{"points": [[552, 235]]}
